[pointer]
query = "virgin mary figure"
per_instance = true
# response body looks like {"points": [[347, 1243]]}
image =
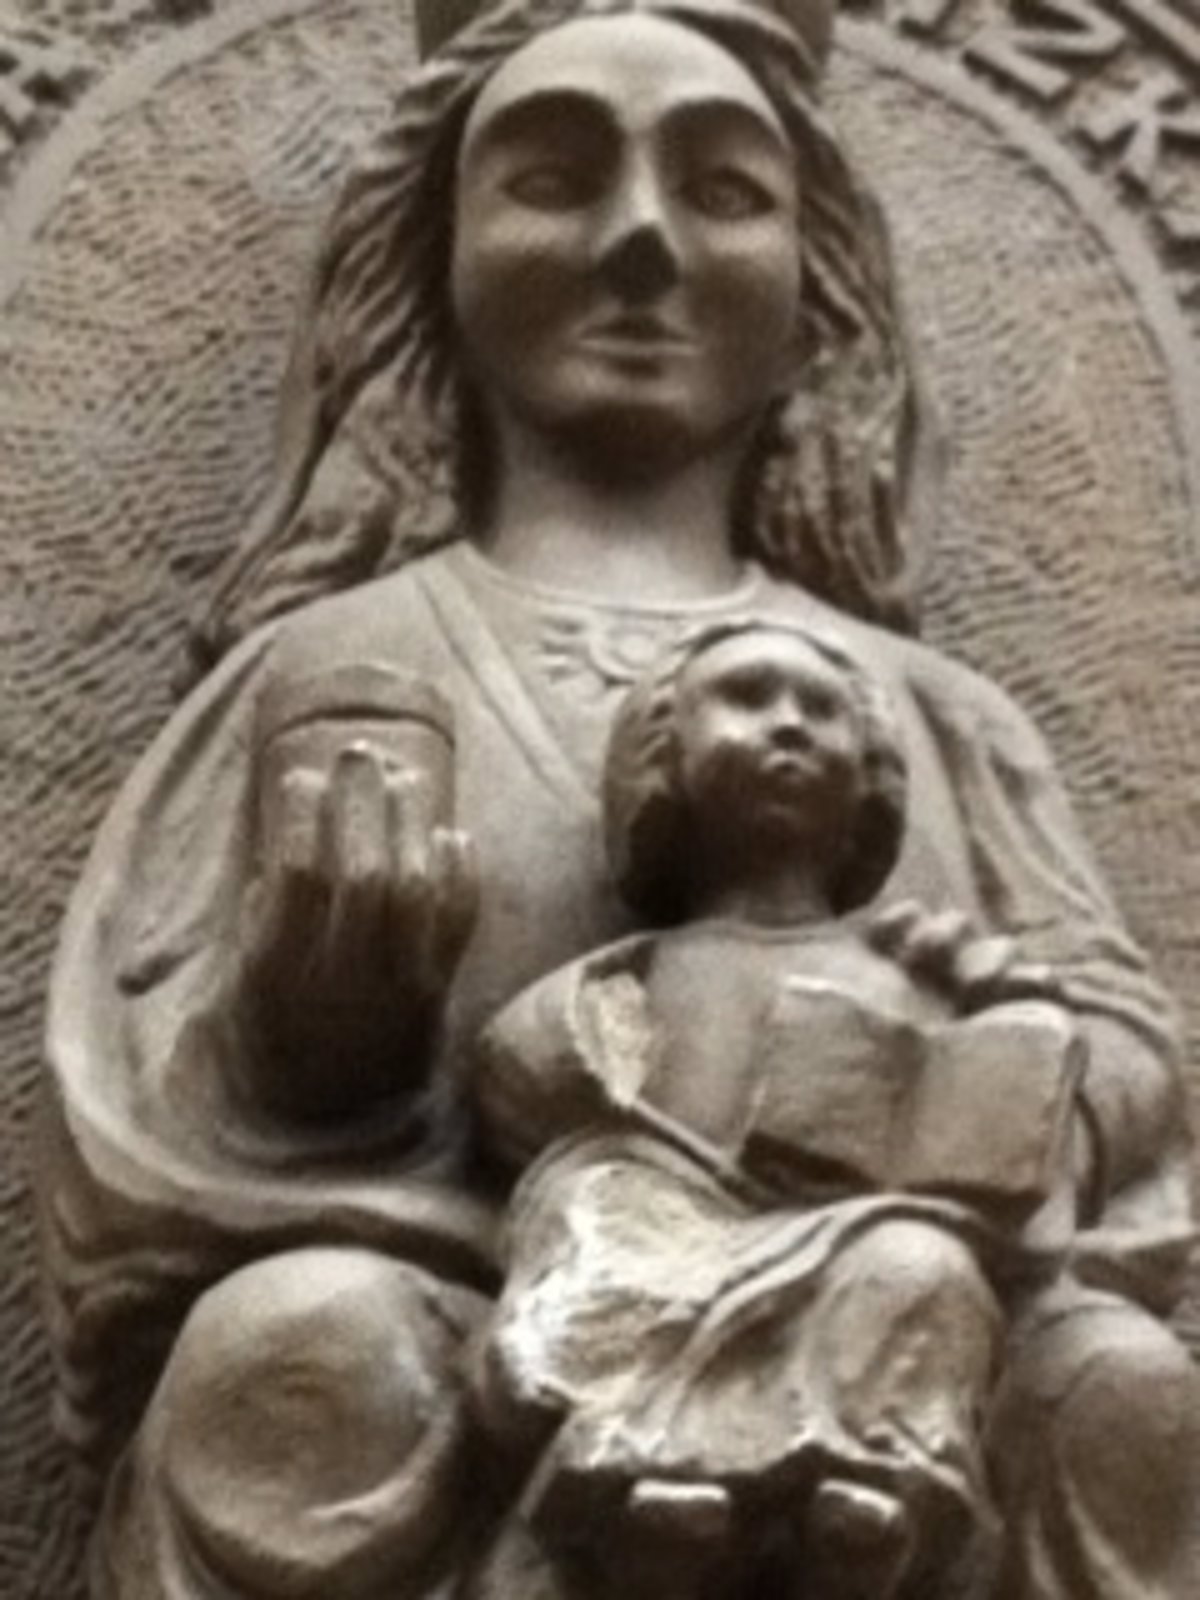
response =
{"points": [[602, 343]]}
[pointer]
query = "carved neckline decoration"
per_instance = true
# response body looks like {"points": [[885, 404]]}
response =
{"points": [[576, 654], [603, 643]]}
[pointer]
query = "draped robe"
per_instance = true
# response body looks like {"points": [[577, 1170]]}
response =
{"points": [[165, 1179]]}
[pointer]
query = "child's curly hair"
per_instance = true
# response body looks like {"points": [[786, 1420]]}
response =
{"points": [[646, 815]]}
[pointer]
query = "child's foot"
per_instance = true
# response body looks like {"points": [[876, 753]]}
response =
{"points": [[858, 1541], [682, 1513]]}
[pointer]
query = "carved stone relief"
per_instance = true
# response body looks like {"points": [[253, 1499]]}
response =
{"points": [[167, 172]]}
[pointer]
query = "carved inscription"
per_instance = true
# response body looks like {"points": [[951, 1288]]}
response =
{"points": [[1041, 58], [1139, 126], [1159, 112], [47, 63], [36, 71]]}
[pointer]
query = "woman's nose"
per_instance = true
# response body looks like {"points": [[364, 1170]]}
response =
{"points": [[639, 255], [642, 266]]}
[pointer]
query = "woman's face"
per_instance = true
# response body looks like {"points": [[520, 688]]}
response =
{"points": [[626, 263]]}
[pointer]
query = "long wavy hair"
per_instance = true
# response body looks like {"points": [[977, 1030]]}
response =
{"points": [[381, 448]]}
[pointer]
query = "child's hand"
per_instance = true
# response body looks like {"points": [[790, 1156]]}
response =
{"points": [[945, 950]]}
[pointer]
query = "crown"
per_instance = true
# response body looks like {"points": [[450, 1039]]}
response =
{"points": [[811, 21]]}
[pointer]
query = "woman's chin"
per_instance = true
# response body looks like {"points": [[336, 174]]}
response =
{"points": [[642, 437]]}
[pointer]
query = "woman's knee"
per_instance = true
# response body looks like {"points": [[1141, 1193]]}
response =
{"points": [[1104, 1399], [308, 1426], [1094, 1356]]}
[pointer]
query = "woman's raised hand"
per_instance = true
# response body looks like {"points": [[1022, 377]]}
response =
{"points": [[351, 933]]}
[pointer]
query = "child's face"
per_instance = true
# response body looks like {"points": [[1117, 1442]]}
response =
{"points": [[770, 741]]}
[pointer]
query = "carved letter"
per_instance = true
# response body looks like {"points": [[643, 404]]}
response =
{"points": [[1069, 31], [1142, 122], [32, 70], [924, 16]]}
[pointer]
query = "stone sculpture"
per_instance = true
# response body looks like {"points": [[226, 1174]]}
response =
{"points": [[762, 1147], [610, 274]]}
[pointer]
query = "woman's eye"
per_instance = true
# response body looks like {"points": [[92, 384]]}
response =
{"points": [[727, 195], [551, 186]]}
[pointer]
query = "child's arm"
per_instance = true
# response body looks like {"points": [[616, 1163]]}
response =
{"points": [[557, 1059]]}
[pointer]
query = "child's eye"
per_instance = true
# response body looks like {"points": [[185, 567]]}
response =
{"points": [[820, 705], [749, 691]]}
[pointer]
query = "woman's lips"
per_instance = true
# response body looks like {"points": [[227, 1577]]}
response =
{"points": [[644, 334]]}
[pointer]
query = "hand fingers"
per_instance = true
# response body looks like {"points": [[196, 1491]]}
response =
{"points": [[925, 942], [1038, 977], [295, 845], [982, 963], [456, 896], [943, 947], [404, 892], [1021, 980], [361, 889], [988, 972], [890, 927], [357, 858], [356, 839], [935, 943], [290, 899], [410, 804], [411, 905]]}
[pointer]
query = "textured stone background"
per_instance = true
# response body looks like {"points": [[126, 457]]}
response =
{"points": [[142, 329]]}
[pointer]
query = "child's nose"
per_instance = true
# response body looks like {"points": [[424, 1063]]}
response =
{"points": [[789, 726]]}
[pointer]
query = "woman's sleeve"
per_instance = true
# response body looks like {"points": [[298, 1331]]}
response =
{"points": [[155, 1178], [1037, 883]]}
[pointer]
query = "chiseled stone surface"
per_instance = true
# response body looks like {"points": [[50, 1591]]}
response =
{"points": [[165, 171]]}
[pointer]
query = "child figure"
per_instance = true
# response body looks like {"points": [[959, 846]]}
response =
{"points": [[746, 1308]]}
